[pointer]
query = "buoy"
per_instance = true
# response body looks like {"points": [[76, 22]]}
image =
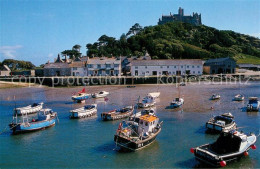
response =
{"points": [[223, 163], [192, 150], [253, 147], [246, 153]]}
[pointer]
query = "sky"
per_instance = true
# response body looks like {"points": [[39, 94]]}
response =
{"points": [[37, 30]]}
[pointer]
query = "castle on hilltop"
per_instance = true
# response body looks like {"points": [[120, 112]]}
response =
{"points": [[195, 19]]}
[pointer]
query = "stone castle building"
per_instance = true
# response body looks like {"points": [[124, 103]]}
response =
{"points": [[195, 19]]}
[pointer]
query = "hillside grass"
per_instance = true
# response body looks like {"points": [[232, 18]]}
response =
{"points": [[243, 58]]}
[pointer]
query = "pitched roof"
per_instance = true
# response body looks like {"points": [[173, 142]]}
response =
{"points": [[5, 68], [148, 118], [56, 65], [103, 60], [166, 62], [77, 64], [218, 60]]}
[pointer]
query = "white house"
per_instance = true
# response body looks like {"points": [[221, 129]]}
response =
{"points": [[166, 67], [5, 71], [104, 66]]}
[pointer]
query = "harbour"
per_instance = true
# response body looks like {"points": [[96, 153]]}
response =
{"points": [[89, 142]]}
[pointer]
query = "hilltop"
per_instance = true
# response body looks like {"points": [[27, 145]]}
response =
{"points": [[179, 40]]}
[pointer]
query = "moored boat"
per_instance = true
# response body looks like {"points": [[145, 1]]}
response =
{"points": [[253, 104], [46, 118], [215, 97], [117, 114], [81, 96], [86, 111], [134, 135], [178, 102], [35, 107], [239, 97], [221, 123], [100, 94], [230, 146], [148, 100]]}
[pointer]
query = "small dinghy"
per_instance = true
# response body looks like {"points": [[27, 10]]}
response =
{"points": [[81, 96], [178, 102], [46, 118], [100, 94], [239, 97], [134, 135], [229, 146], [222, 123], [215, 97], [253, 104], [86, 111], [28, 109], [117, 114]]}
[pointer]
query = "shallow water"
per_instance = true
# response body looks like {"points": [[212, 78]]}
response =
{"points": [[88, 143]]}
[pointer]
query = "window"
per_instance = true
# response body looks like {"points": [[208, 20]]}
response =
{"points": [[90, 66], [74, 68], [181, 66], [174, 66], [198, 66], [193, 72], [192, 66], [99, 66], [116, 65], [108, 65], [161, 66], [146, 124], [188, 66], [136, 67], [168, 66], [198, 72], [145, 67], [147, 71]]}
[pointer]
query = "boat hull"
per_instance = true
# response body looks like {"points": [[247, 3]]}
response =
{"points": [[31, 126], [211, 127], [77, 115], [110, 117], [126, 144]]}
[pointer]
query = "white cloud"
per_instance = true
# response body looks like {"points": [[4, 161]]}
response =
{"points": [[9, 52], [50, 55]]}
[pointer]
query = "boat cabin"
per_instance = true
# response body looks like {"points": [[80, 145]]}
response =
{"points": [[147, 123], [253, 100], [45, 114]]}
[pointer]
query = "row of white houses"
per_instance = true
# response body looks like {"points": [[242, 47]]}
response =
{"points": [[113, 67]]}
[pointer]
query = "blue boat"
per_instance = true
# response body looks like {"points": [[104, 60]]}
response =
{"points": [[81, 96], [46, 118]]}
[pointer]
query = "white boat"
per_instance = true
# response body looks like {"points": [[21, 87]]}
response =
{"points": [[253, 104], [215, 97], [222, 123], [148, 100], [100, 94], [86, 111], [28, 109], [178, 102], [239, 97]]}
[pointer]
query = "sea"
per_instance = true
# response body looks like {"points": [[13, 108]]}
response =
{"points": [[88, 143]]}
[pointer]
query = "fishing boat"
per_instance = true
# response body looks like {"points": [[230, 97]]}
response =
{"points": [[215, 97], [253, 104], [133, 135], [148, 100], [117, 114], [178, 101], [239, 97], [46, 118], [81, 96], [230, 146], [222, 123], [86, 111], [35, 107], [100, 94]]}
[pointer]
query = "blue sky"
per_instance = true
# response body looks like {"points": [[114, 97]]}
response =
{"points": [[37, 30]]}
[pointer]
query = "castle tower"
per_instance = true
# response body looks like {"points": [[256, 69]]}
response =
{"points": [[181, 11]]}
